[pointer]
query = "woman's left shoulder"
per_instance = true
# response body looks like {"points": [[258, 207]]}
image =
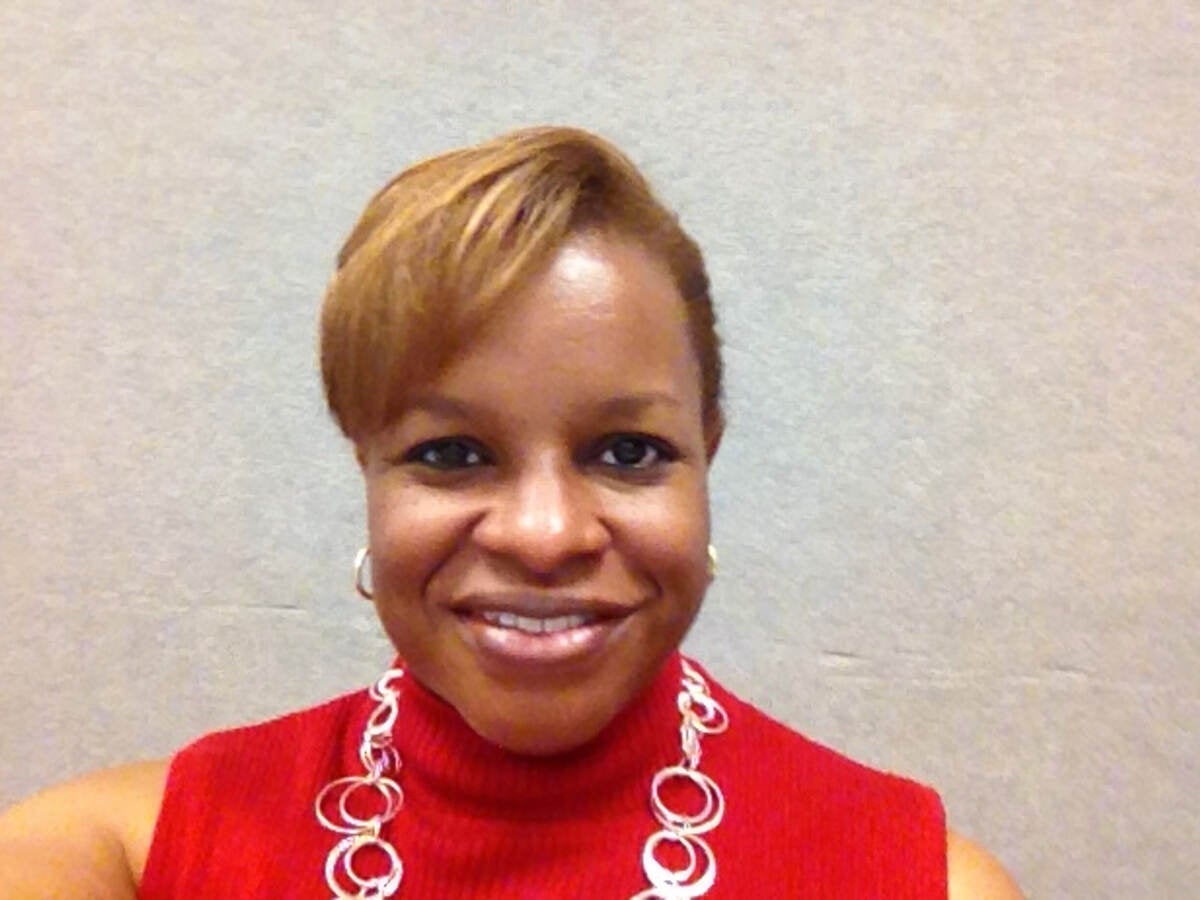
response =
{"points": [[974, 874]]}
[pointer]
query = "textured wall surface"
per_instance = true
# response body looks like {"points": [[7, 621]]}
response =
{"points": [[955, 251]]}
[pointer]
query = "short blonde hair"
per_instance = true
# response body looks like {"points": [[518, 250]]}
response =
{"points": [[446, 239]]}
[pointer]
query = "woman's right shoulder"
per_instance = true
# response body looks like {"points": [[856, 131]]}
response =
{"points": [[88, 837]]}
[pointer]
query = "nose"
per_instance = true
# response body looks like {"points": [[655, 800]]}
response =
{"points": [[544, 517]]}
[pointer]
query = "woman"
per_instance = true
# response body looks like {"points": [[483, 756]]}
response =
{"points": [[520, 344]]}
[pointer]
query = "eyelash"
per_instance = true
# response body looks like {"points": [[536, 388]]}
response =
{"points": [[662, 451], [426, 453], [420, 454]]}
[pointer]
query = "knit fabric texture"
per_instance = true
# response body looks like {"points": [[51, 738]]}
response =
{"points": [[801, 820]]}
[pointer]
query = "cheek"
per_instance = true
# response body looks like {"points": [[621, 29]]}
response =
{"points": [[410, 540], [409, 536], [671, 540]]}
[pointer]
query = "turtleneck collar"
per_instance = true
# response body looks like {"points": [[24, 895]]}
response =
{"points": [[445, 762]]}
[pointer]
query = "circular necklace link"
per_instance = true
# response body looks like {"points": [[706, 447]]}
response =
{"points": [[381, 761], [700, 713]]}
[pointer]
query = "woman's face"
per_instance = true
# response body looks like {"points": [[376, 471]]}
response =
{"points": [[538, 512]]}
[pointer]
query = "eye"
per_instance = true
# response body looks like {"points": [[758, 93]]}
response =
{"points": [[635, 451], [446, 454]]}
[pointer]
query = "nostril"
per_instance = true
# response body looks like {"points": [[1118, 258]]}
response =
{"points": [[543, 522]]}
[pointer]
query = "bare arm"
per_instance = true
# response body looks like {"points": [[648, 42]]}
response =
{"points": [[975, 874], [84, 839], [89, 839]]}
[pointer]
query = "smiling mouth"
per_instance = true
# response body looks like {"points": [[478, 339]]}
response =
{"points": [[528, 634], [534, 624]]}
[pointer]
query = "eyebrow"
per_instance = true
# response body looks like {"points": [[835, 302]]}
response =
{"points": [[440, 405], [631, 404], [624, 405]]}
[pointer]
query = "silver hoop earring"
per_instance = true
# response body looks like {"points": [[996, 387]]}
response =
{"points": [[712, 562], [360, 563]]}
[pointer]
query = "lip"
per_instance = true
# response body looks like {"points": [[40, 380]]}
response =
{"points": [[541, 606], [514, 651]]}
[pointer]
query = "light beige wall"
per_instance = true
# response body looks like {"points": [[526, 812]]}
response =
{"points": [[955, 251]]}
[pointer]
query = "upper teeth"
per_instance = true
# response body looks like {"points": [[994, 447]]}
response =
{"points": [[535, 625]]}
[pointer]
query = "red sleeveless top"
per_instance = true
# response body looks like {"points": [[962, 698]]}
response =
{"points": [[801, 820]]}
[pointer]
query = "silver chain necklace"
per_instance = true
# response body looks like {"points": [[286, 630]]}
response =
{"points": [[700, 713]]}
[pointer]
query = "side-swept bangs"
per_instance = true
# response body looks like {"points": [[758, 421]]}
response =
{"points": [[448, 238]]}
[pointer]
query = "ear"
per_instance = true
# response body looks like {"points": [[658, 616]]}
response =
{"points": [[360, 456], [714, 427]]}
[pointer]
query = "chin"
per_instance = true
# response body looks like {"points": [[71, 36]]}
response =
{"points": [[532, 712], [538, 728], [550, 718]]}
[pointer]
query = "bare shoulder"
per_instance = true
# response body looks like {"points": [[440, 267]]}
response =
{"points": [[974, 874], [97, 827]]}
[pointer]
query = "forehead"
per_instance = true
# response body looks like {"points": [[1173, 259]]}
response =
{"points": [[601, 320], [597, 280]]}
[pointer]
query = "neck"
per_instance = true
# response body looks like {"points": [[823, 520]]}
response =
{"points": [[446, 761]]}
